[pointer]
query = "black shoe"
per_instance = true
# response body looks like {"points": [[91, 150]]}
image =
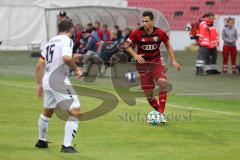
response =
{"points": [[199, 71], [41, 144], [69, 149], [214, 71], [209, 72]]}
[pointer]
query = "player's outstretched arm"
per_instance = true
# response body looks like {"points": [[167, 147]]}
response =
{"points": [[39, 74], [171, 54], [71, 63]]}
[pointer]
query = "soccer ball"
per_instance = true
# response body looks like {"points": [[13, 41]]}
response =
{"points": [[154, 118], [131, 76]]}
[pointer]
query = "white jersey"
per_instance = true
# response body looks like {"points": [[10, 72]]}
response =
{"points": [[55, 67]]}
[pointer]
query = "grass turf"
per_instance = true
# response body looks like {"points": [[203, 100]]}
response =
{"points": [[199, 127]]}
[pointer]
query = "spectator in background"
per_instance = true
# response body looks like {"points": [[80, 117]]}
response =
{"points": [[127, 33], [208, 42], [138, 25], [107, 50], [97, 26], [84, 40], [91, 41], [89, 27], [119, 33], [77, 35], [225, 22], [110, 47], [104, 34], [229, 36], [211, 59], [62, 16]]}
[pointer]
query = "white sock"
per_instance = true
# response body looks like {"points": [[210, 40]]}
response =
{"points": [[43, 127], [70, 131]]}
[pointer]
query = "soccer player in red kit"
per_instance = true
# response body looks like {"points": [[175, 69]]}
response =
{"points": [[147, 40]]}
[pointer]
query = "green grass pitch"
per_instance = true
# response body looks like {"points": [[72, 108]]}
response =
{"points": [[203, 112]]}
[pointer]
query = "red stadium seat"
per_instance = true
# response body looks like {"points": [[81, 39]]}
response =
{"points": [[170, 7]]}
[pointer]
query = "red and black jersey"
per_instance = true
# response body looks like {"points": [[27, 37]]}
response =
{"points": [[148, 44]]}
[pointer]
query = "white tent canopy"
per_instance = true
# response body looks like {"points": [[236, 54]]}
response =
{"points": [[36, 21], [62, 3], [123, 17]]}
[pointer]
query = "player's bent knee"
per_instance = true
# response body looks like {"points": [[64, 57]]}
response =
{"points": [[148, 93], [75, 112], [162, 83]]}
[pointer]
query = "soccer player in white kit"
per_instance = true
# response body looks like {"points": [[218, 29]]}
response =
{"points": [[55, 86]]}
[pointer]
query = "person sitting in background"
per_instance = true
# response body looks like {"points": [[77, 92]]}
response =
{"points": [[104, 54], [126, 33], [229, 36], [97, 26], [89, 27], [104, 34], [91, 41], [110, 47], [77, 35], [119, 33], [96, 30]]}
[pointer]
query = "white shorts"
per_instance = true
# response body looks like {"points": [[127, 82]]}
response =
{"points": [[52, 99]]}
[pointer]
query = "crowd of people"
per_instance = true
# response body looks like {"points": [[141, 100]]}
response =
{"points": [[87, 40], [206, 36]]}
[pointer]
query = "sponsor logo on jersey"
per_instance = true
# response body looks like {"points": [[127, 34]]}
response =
{"points": [[149, 47], [155, 39]]}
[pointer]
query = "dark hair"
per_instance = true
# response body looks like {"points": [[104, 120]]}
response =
{"points": [[230, 19], [65, 25], [149, 14], [97, 22], [62, 14], [105, 26], [89, 24], [208, 14], [116, 26]]}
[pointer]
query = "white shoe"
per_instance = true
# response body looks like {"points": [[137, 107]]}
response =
{"points": [[162, 118]]}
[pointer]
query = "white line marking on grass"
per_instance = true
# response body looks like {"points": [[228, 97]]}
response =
{"points": [[18, 86], [145, 101], [206, 94], [197, 109]]}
